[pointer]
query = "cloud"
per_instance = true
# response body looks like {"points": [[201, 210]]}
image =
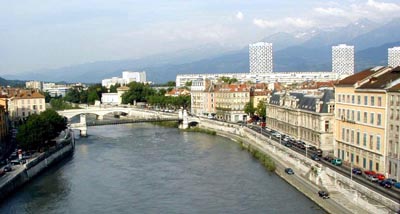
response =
{"points": [[298, 22], [383, 6], [239, 15], [333, 11], [264, 23]]}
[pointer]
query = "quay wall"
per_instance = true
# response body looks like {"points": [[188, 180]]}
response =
{"points": [[36, 166]]}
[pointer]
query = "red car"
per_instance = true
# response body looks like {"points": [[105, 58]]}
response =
{"points": [[369, 172], [380, 176], [2, 172]]}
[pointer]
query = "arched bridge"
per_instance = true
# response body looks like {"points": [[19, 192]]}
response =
{"points": [[134, 115]]}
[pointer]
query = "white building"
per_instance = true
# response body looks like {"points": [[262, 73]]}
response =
{"points": [[127, 77], [269, 78], [343, 59], [55, 90], [260, 58], [34, 85], [394, 57], [110, 98]]}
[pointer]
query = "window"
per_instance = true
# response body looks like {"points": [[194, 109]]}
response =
{"points": [[348, 114], [352, 115], [347, 135], [339, 98], [343, 133], [371, 142], [364, 163], [348, 99], [365, 117], [359, 100], [358, 138], [372, 101], [372, 118], [357, 158], [377, 166], [391, 99], [365, 139], [358, 116], [352, 99], [379, 101], [366, 100], [352, 136], [379, 120], [378, 142]]}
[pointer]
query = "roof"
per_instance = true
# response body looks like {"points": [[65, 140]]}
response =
{"points": [[382, 81], [123, 88], [351, 80], [28, 95], [395, 88]]}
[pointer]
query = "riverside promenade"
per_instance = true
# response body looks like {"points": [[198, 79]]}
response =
{"points": [[343, 198], [23, 173]]}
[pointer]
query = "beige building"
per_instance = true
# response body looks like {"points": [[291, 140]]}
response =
{"points": [[361, 118], [24, 103], [230, 100], [393, 132], [306, 117]]}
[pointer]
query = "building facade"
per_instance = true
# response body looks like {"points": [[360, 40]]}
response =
{"points": [[3, 125], [394, 57], [34, 85], [393, 132], [127, 77], [260, 58], [230, 100], [361, 119], [25, 103], [343, 59], [306, 117]]}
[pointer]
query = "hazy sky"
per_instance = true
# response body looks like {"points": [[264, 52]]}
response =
{"points": [[37, 34]]}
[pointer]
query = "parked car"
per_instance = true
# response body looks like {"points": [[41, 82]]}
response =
{"points": [[328, 158], [385, 183], [391, 180], [397, 185], [380, 176], [315, 157], [7, 169], [288, 144], [337, 162], [371, 178], [2, 172], [289, 171], [369, 172], [323, 194], [356, 171], [319, 152]]}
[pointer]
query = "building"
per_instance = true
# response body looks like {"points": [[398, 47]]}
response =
{"points": [[3, 125], [202, 98], [393, 132], [259, 93], [343, 59], [361, 119], [110, 98], [269, 78], [24, 103], [394, 57], [260, 58], [127, 77], [230, 100], [34, 85], [305, 116]]}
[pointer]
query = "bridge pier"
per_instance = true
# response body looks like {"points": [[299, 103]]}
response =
{"points": [[100, 117], [185, 122]]}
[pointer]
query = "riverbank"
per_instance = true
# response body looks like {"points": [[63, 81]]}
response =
{"points": [[305, 180], [22, 174]]}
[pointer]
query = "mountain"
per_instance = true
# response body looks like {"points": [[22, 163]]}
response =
{"points": [[4, 82], [299, 51]]}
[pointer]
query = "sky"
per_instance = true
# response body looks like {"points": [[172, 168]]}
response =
{"points": [[42, 34]]}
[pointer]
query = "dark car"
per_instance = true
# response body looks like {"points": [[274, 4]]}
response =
{"points": [[386, 184], [7, 169], [356, 171], [319, 152], [323, 194], [315, 157], [328, 158], [391, 180], [288, 144], [289, 171], [2, 172]]}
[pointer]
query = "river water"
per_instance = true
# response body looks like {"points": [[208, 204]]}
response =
{"points": [[143, 168]]}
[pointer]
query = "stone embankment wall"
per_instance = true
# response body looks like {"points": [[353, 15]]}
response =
{"points": [[353, 193], [37, 165]]}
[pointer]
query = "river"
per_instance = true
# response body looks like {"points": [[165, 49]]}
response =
{"points": [[143, 168]]}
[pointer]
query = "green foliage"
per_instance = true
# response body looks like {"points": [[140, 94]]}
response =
{"points": [[60, 104], [169, 102], [73, 96], [249, 108], [113, 88], [205, 131], [228, 80], [261, 109], [47, 96], [188, 84], [171, 83], [39, 129], [137, 91]]}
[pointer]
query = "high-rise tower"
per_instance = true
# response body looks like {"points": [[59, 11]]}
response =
{"points": [[394, 57], [260, 58], [343, 59]]}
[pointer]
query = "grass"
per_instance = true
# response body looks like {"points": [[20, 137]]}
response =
{"points": [[169, 124], [264, 159], [197, 129]]}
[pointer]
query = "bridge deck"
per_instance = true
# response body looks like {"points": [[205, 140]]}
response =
{"points": [[125, 121]]}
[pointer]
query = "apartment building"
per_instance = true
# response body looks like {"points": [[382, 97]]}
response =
{"points": [[23, 103], [305, 116], [230, 100], [361, 117], [393, 132], [3, 124]]}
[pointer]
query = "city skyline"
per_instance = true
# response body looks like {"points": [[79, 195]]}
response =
{"points": [[55, 34]]}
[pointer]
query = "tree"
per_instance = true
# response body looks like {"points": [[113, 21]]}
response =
{"points": [[228, 80], [113, 88], [188, 84], [92, 97], [171, 83], [261, 109], [38, 129], [249, 108], [73, 96]]}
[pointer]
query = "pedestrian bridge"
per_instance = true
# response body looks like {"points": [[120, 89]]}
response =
{"points": [[134, 115]]}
